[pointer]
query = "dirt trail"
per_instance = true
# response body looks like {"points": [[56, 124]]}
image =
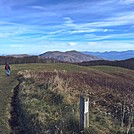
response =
{"points": [[15, 120]]}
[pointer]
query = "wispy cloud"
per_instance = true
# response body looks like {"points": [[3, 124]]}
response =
{"points": [[37, 7], [126, 1], [16, 46], [72, 43], [65, 25]]}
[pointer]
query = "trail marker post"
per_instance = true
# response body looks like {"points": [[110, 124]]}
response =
{"points": [[84, 112]]}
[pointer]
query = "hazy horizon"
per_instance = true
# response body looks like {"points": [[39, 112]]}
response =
{"points": [[63, 51], [38, 26]]}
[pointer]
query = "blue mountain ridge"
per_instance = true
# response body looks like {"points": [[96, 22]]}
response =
{"points": [[113, 55]]}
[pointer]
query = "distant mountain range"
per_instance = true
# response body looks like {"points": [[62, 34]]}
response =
{"points": [[18, 55], [75, 56], [69, 56], [113, 55]]}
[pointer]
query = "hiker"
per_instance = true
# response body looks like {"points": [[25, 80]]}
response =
{"points": [[7, 68]]}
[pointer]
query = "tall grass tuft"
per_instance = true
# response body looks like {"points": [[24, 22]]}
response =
{"points": [[48, 107]]}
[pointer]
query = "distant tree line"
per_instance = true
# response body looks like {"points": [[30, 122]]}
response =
{"points": [[24, 60], [129, 63]]}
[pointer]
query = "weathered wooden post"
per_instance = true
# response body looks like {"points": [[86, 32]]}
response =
{"points": [[84, 112]]}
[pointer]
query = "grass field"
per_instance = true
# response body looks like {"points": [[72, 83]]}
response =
{"points": [[103, 82], [7, 84]]}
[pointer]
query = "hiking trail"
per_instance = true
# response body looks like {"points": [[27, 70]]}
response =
{"points": [[15, 120]]}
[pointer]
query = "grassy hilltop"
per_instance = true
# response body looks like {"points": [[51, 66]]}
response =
{"points": [[47, 98]]}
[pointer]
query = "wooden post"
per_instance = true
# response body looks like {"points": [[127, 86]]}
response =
{"points": [[84, 113]]}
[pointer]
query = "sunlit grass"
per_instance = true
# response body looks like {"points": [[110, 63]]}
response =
{"points": [[43, 104], [110, 69]]}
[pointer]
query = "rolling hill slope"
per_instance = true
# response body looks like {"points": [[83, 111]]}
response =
{"points": [[48, 95], [69, 56], [129, 63]]}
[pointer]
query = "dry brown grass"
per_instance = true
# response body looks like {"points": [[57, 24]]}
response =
{"points": [[106, 92]]}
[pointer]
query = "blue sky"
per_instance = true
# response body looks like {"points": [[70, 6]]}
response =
{"points": [[37, 26]]}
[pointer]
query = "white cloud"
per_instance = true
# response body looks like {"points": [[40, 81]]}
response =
{"points": [[122, 36], [69, 22], [72, 43], [56, 32], [105, 30], [126, 1], [16, 46], [119, 19], [89, 46], [122, 19], [66, 46], [7, 23], [37, 7]]}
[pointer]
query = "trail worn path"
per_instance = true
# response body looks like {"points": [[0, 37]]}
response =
{"points": [[9, 110], [6, 86], [15, 119]]}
